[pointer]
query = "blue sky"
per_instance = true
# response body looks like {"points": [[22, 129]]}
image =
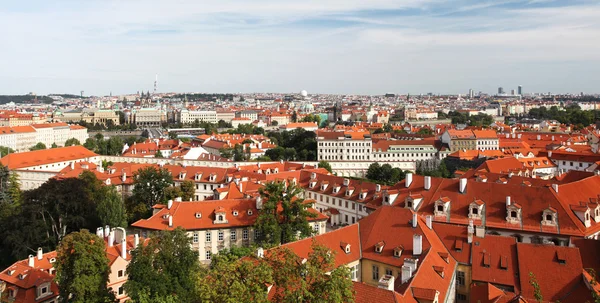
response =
{"points": [[337, 46]]}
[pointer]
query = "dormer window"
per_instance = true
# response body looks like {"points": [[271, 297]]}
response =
{"points": [[212, 178], [398, 251], [324, 186], [198, 215], [441, 206], [52, 260], [379, 247], [235, 213], [549, 216], [220, 217], [513, 213], [363, 195], [349, 191], [249, 212], [198, 176], [312, 184], [336, 189], [182, 175], [476, 209], [345, 246], [413, 201]]}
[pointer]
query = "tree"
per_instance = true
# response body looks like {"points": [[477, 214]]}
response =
{"points": [[38, 146], [54, 145], [172, 135], [166, 267], [149, 188], [158, 154], [274, 123], [316, 280], [276, 153], [324, 164], [72, 141], [145, 133], [91, 144], [278, 227], [110, 207], [226, 152], [537, 294], [245, 279], [10, 205], [5, 151], [82, 269], [387, 128], [188, 190], [424, 131]]}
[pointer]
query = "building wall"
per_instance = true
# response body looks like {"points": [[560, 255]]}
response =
{"points": [[367, 271]]}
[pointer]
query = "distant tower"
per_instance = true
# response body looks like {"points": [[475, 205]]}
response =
{"points": [[500, 90], [520, 90], [155, 84], [471, 93], [81, 94]]}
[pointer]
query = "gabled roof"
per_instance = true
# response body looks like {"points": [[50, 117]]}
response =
{"points": [[46, 156]]}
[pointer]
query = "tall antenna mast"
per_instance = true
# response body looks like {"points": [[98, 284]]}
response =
{"points": [[155, 84]]}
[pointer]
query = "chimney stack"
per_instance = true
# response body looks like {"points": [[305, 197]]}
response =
{"points": [[386, 282], [111, 238], [429, 219], [406, 274], [414, 220], [427, 181], [100, 232], [169, 204], [124, 177], [136, 240], [408, 179], [462, 185], [507, 201], [470, 232], [73, 165], [31, 261], [417, 244], [124, 249], [106, 231], [170, 221], [40, 253], [555, 187], [377, 187]]}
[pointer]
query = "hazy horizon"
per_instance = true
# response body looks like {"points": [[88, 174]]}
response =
{"points": [[329, 47]]}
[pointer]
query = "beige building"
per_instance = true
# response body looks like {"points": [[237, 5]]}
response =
{"points": [[189, 116], [148, 117]]}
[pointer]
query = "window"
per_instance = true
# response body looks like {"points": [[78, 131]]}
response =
{"points": [[548, 217], [475, 211], [208, 236], [513, 214], [195, 237], [256, 234], [220, 218], [440, 208], [121, 291], [316, 228], [120, 273], [245, 234], [233, 235], [44, 290], [376, 272], [460, 278], [220, 235], [388, 272], [461, 297], [354, 272], [208, 255]]}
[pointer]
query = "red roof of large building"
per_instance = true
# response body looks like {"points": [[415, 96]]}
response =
{"points": [[46, 156]]}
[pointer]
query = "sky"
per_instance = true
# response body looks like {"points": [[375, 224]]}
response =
{"points": [[322, 46]]}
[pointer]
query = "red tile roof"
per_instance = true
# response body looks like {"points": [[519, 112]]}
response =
{"points": [[46, 156]]}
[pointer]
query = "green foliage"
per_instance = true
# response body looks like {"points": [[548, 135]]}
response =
{"points": [[435, 168], [385, 173], [387, 128], [537, 294], [110, 207], [324, 164], [226, 152], [158, 154], [571, 115], [106, 164], [10, 204], [312, 118], [5, 151], [425, 131], [72, 141], [223, 124], [316, 280], [302, 141], [274, 123], [150, 184], [24, 99], [279, 227], [54, 145], [166, 268], [245, 280], [82, 269], [172, 135], [145, 134], [38, 146], [112, 146], [185, 191], [474, 120]]}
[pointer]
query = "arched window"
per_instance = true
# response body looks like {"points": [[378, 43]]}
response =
{"points": [[220, 217]]}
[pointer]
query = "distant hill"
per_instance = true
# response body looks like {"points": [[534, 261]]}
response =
{"points": [[24, 99]]}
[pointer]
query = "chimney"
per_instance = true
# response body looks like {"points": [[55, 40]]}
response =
{"points": [[136, 240], [31, 261], [417, 244], [241, 190], [259, 203], [550, 154], [507, 201], [539, 137], [40, 253], [470, 232], [406, 274], [73, 165], [429, 219], [414, 220], [124, 249], [377, 187], [386, 282], [169, 204], [427, 180], [124, 176], [111, 238], [408, 179], [317, 165], [106, 230], [170, 221], [260, 252], [555, 187], [100, 232], [462, 185]]}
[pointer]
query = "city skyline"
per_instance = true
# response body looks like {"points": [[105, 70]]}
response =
{"points": [[347, 47]]}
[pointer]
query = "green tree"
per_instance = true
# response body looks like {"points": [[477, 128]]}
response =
{"points": [[5, 151], [38, 146], [72, 141], [165, 268], [226, 152], [158, 154], [110, 207], [82, 269], [53, 145], [245, 280], [537, 294], [91, 144], [149, 185], [424, 131], [172, 135], [387, 128], [316, 280], [10, 206], [324, 164], [188, 190], [278, 227], [274, 123], [276, 153]]}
